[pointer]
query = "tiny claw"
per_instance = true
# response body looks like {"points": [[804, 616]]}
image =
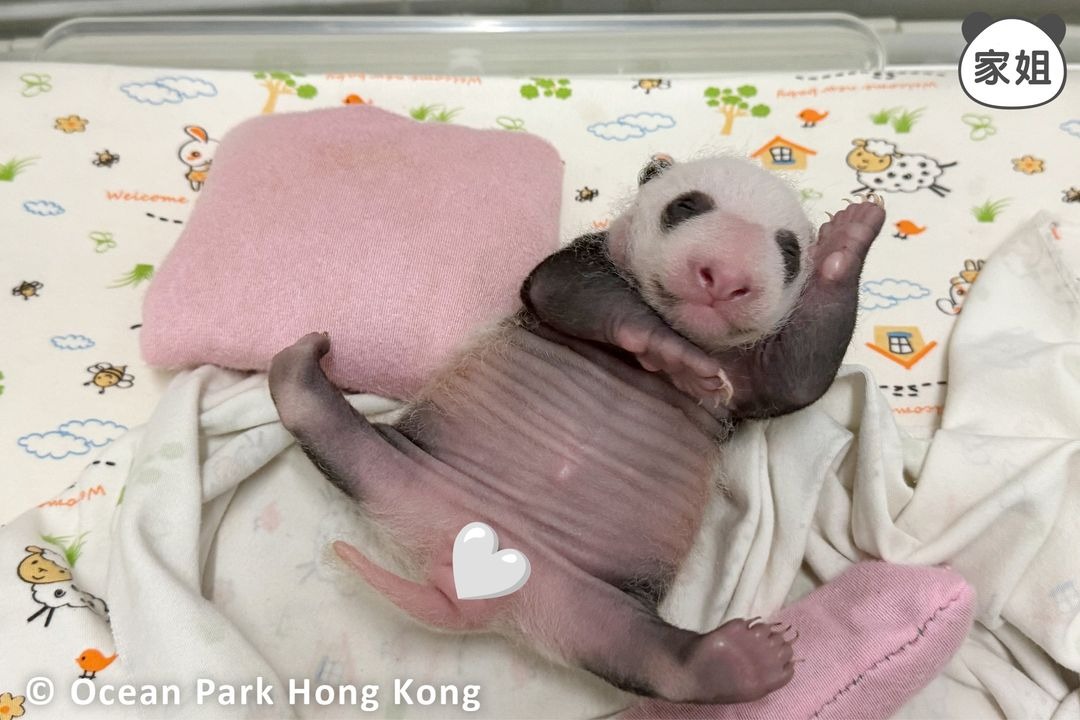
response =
{"points": [[830, 216], [751, 621], [727, 388], [874, 198]]}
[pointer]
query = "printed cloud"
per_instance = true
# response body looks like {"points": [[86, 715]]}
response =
{"points": [[151, 93], [96, 432], [75, 437], [44, 208], [53, 445], [887, 292], [616, 131], [628, 127], [1072, 127], [896, 289], [189, 87], [71, 342], [170, 90], [869, 301], [649, 122]]}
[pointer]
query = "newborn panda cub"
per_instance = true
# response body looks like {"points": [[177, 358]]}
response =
{"points": [[586, 429]]}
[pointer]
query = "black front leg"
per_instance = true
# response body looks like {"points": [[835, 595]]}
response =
{"points": [[794, 367]]}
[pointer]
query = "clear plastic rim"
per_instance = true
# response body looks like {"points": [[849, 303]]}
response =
{"points": [[781, 32]]}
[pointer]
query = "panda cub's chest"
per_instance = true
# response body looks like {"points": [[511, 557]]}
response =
{"points": [[572, 455]]}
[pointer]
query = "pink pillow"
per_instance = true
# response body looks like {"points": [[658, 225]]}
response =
{"points": [[868, 640], [399, 238]]}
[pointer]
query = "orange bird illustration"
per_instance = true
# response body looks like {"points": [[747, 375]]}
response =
{"points": [[812, 117], [904, 228], [355, 99], [93, 661]]}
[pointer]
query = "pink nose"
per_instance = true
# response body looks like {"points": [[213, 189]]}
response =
{"points": [[722, 285]]}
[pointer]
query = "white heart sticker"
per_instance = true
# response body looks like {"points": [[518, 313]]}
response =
{"points": [[479, 571]]}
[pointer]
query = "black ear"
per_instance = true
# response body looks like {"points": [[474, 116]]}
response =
{"points": [[656, 167], [974, 24], [1053, 26]]}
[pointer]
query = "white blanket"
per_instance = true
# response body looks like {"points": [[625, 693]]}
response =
{"points": [[207, 537]]}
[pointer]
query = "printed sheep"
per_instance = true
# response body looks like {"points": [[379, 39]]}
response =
{"points": [[882, 168], [52, 587]]}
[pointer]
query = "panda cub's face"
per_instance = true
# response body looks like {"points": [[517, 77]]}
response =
{"points": [[717, 247]]}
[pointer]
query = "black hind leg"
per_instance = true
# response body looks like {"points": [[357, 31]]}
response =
{"points": [[349, 450], [593, 625]]}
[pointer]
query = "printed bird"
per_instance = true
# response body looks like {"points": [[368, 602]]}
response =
{"points": [[93, 662], [905, 228], [812, 117], [355, 99]]}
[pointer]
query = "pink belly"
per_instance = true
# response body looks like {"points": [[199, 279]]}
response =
{"points": [[565, 457]]}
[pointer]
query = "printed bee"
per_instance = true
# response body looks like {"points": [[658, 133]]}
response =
{"points": [[27, 289], [105, 159], [1070, 195], [107, 376], [650, 84], [587, 194]]}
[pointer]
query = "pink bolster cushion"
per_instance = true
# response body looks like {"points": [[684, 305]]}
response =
{"points": [[399, 238]]}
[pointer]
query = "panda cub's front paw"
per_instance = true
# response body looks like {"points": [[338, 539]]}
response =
{"points": [[843, 241], [660, 349]]}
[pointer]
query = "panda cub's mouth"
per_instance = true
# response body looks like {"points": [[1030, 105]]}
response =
{"points": [[663, 294], [706, 324]]}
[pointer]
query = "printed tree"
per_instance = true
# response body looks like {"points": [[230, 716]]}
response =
{"points": [[734, 104], [282, 83], [547, 87]]}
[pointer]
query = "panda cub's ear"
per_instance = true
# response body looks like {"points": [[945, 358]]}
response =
{"points": [[656, 167]]}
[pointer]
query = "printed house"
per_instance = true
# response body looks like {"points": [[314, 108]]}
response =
{"points": [[903, 344], [781, 154]]}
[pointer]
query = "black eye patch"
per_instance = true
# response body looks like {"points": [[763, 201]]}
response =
{"points": [[790, 252], [684, 207]]}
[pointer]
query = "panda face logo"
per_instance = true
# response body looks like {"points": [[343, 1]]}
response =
{"points": [[1012, 63]]}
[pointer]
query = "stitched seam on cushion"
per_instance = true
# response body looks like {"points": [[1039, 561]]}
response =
{"points": [[919, 632]]}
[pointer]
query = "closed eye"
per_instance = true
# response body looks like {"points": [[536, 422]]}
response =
{"points": [[790, 252], [684, 207]]}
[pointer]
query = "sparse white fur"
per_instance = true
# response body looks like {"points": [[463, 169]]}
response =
{"points": [[743, 192]]}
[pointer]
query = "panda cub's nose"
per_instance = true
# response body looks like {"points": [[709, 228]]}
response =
{"points": [[721, 285]]}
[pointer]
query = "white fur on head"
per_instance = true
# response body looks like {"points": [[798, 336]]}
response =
{"points": [[738, 235]]}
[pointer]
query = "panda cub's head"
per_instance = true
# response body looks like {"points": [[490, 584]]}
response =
{"points": [[718, 247]]}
